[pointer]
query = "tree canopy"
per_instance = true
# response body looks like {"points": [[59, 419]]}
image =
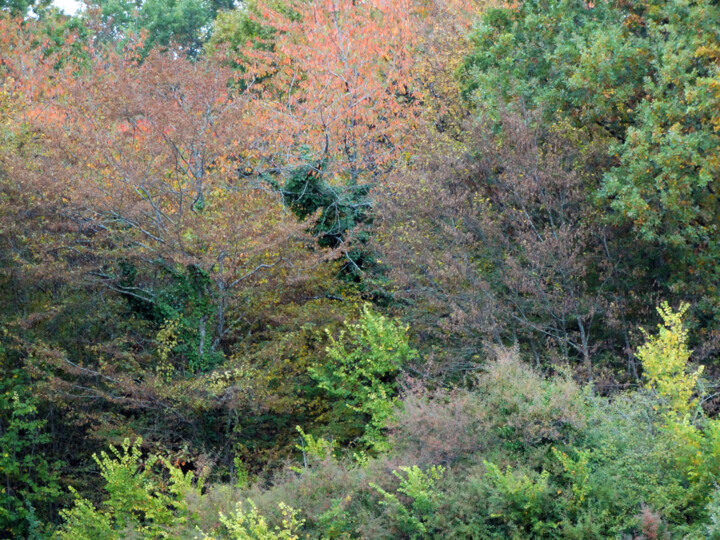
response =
{"points": [[382, 269]]}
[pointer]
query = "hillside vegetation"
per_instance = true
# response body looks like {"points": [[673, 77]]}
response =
{"points": [[283, 269]]}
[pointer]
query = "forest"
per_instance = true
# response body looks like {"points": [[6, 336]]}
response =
{"points": [[360, 269]]}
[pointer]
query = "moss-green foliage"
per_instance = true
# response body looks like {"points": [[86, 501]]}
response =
{"points": [[640, 77], [561, 56], [519, 501], [29, 482], [342, 207], [19, 8]]}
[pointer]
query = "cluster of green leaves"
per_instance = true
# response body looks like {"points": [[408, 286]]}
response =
{"points": [[183, 307], [242, 525], [640, 78], [30, 488], [360, 374], [419, 487], [136, 499], [338, 210], [20, 7], [342, 208]]}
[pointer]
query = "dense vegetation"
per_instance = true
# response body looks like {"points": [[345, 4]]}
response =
{"points": [[382, 269]]}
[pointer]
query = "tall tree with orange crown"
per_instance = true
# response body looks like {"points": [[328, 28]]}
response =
{"points": [[151, 155]]}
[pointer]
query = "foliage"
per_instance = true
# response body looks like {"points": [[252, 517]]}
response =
{"points": [[419, 488], [509, 252], [352, 59], [362, 364], [20, 8], [314, 448], [577, 472], [713, 528], [359, 269], [664, 358], [182, 24], [136, 502], [30, 481], [587, 486], [520, 500], [252, 526], [439, 427], [530, 410], [640, 79]]}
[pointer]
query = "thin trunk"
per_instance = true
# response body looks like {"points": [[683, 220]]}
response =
{"points": [[202, 330], [585, 347]]}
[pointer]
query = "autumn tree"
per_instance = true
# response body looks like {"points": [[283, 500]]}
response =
{"points": [[333, 101], [642, 80], [30, 212], [139, 256], [154, 154], [509, 251]]}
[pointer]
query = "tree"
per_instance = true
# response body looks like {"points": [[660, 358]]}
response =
{"points": [[340, 83], [152, 152], [333, 101], [362, 364], [20, 8], [29, 214], [641, 80], [509, 251], [185, 24], [340, 96], [212, 293]]}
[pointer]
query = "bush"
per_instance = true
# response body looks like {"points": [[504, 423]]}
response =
{"points": [[251, 525], [439, 427], [363, 362], [527, 408], [521, 501], [421, 498], [137, 500]]}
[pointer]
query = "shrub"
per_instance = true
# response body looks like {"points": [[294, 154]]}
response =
{"points": [[363, 362], [529, 409], [251, 525], [136, 499], [695, 439], [665, 357], [439, 427], [421, 498], [521, 501]]}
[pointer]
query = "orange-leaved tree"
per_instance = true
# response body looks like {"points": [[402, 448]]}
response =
{"points": [[153, 154], [336, 82], [333, 102]]}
